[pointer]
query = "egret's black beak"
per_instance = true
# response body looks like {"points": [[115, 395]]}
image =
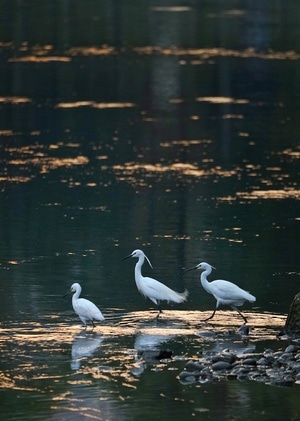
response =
{"points": [[193, 268], [67, 293], [127, 257]]}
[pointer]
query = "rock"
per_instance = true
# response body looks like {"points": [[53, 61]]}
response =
{"points": [[204, 379], [221, 365], [285, 357], [225, 355], [291, 348], [244, 330], [187, 377], [262, 361], [249, 361], [193, 366], [292, 324]]}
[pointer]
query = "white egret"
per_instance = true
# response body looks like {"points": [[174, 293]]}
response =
{"points": [[151, 288], [225, 292], [85, 309]]}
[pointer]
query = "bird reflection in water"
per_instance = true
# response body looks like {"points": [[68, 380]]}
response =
{"points": [[149, 351], [233, 341], [84, 345]]}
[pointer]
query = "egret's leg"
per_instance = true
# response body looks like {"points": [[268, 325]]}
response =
{"points": [[240, 313], [93, 324], [159, 313], [210, 317], [83, 322]]}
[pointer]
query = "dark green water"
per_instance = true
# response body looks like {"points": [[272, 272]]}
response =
{"points": [[166, 126]]}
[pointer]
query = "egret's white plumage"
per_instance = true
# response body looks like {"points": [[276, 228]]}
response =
{"points": [[151, 288], [225, 292], [85, 309]]}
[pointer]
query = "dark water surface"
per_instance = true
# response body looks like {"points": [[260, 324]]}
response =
{"points": [[167, 126]]}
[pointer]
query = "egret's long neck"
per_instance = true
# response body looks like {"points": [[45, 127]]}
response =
{"points": [[138, 268], [76, 295], [203, 278]]}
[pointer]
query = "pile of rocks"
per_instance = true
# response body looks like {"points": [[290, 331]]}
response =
{"points": [[280, 368]]}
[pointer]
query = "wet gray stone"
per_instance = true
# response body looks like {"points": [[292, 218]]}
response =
{"points": [[262, 361], [291, 348], [221, 365], [249, 361], [244, 330], [226, 356], [187, 377], [194, 366], [205, 378]]}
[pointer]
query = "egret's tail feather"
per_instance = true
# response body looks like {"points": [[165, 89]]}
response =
{"points": [[180, 297], [251, 298], [185, 294]]}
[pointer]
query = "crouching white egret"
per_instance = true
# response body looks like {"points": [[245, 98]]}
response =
{"points": [[225, 292], [85, 309], [151, 288]]}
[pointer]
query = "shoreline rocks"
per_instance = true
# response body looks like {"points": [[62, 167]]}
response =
{"points": [[279, 368]]}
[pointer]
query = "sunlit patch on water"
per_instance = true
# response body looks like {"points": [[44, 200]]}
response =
{"points": [[131, 171], [222, 100], [271, 178], [270, 194], [292, 153], [44, 54], [36, 54], [50, 163], [40, 59], [176, 9], [209, 53], [27, 159], [13, 100], [185, 142], [93, 104], [103, 50]]}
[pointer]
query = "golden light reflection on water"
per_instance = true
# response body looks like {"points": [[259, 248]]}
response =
{"points": [[185, 142], [130, 168], [37, 155], [103, 50], [93, 104], [14, 100], [292, 153], [38, 59], [270, 194], [222, 100], [208, 53], [44, 53], [37, 357], [171, 8], [46, 163], [42, 157]]}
